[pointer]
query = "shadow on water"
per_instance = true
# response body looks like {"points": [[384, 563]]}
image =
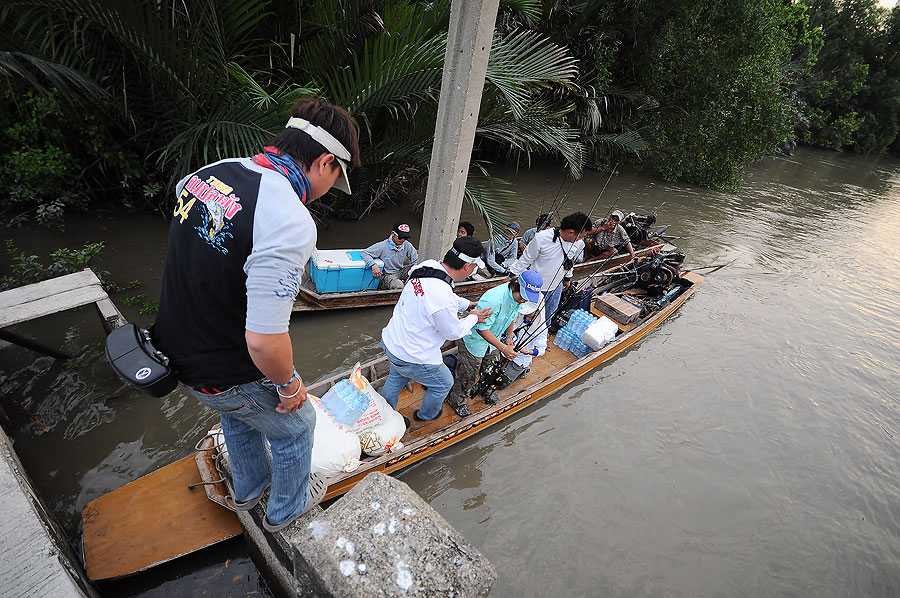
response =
{"points": [[746, 447]]}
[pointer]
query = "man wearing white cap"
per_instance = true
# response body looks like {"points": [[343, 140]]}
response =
{"points": [[606, 238], [239, 242], [424, 319], [492, 338]]}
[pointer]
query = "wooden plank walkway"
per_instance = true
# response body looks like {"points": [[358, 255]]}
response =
{"points": [[50, 296]]}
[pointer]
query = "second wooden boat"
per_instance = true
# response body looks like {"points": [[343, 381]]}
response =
{"points": [[309, 299]]}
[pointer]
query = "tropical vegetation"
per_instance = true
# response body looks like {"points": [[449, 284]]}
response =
{"points": [[116, 99]]}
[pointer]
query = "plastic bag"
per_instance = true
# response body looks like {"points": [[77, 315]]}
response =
{"points": [[335, 447], [379, 428], [599, 332]]}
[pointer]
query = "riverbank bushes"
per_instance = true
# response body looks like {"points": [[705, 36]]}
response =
{"points": [[119, 98]]}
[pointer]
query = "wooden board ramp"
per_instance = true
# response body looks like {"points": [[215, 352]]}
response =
{"points": [[156, 518]]}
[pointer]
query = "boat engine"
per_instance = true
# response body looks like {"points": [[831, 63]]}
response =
{"points": [[659, 271], [638, 226]]}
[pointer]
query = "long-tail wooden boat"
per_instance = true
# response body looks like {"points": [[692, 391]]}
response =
{"points": [[308, 299], [548, 373]]}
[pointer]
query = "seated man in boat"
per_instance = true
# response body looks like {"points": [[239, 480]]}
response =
{"points": [[425, 317], [543, 222], [393, 253], [466, 229], [552, 253], [492, 339], [227, 296], [531, 337], [500, 254], [607, 237]]}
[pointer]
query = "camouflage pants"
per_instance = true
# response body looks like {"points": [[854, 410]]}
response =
{"points": [[468, 367]]}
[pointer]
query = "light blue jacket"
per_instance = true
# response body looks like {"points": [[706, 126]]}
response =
{"points": [[394, 258], [504, 311]]}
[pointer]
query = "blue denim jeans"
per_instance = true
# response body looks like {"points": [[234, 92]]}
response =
{"points": [[436, 378], [551, 301], [248, 420]]}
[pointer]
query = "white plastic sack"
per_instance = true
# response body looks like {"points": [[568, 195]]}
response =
{"points": [[335, 447], [379, 428], [599, 332]]}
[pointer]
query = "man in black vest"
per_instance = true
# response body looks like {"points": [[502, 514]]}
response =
{"points": [[239, 242], [424, 319]]}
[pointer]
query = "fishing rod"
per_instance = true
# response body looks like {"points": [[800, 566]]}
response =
{"points": [[570, 259], [715, 268], [555, 197], [487, 383]]}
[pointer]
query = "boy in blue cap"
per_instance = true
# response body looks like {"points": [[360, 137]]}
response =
{"points": [[486, 341]]}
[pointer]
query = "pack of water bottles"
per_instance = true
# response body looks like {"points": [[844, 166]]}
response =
{"points": [[569, 336], [345, 402]]}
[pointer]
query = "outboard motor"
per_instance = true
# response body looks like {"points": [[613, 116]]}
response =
{"points": [[638, 226], [660, 271]]}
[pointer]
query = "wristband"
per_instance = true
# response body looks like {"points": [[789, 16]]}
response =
{"points": [[511, 275], [288, 383], [296, 392], [535, 351]]}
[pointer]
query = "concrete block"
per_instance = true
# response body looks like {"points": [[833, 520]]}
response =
{"points": [[382, 539]]}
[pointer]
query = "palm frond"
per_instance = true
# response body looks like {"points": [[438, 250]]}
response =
{"points": [[36, 71], [542, 130], [523, 60], [529, 9], [491, 197], [625, 142]]}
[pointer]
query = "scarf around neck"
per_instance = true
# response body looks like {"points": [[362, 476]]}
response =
{"points": [[274, 159]]}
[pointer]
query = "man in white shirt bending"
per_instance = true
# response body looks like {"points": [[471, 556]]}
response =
{"points": [[552, 253], [424, 319]]}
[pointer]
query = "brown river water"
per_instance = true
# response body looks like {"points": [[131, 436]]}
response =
{"points": [[749, 446]]}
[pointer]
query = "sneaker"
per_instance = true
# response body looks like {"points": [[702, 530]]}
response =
{"points": [[249, 504], [492, 399], [406, 421], [419, 419], [463, 410], [315, 492]]}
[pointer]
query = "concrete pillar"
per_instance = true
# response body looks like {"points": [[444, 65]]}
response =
{"points": [[465, 64]]}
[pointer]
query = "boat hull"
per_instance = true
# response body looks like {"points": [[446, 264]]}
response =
{"points": [[520, 395], [308, 299]]}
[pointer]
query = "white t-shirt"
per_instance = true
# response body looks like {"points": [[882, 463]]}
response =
{"points": [[425, 318], [545, 255]]}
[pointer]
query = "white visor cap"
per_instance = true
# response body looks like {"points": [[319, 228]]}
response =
{"points": [[331, 144], [468, 258]]}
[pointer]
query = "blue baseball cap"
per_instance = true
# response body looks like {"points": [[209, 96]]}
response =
{"points": [[530, 285]]}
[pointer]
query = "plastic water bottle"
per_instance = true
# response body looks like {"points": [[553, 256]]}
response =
{"points": [[345, 403], [563, 339], [358, 402]]}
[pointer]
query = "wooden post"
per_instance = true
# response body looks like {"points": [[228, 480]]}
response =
{"points": [[465, 65]]}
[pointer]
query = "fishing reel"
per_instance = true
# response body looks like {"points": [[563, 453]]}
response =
{"points": [[660, 271], [491, 379]]}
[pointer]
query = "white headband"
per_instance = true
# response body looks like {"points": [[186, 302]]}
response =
{"points": [[331, 144], [321, 135], [467, 258]]}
